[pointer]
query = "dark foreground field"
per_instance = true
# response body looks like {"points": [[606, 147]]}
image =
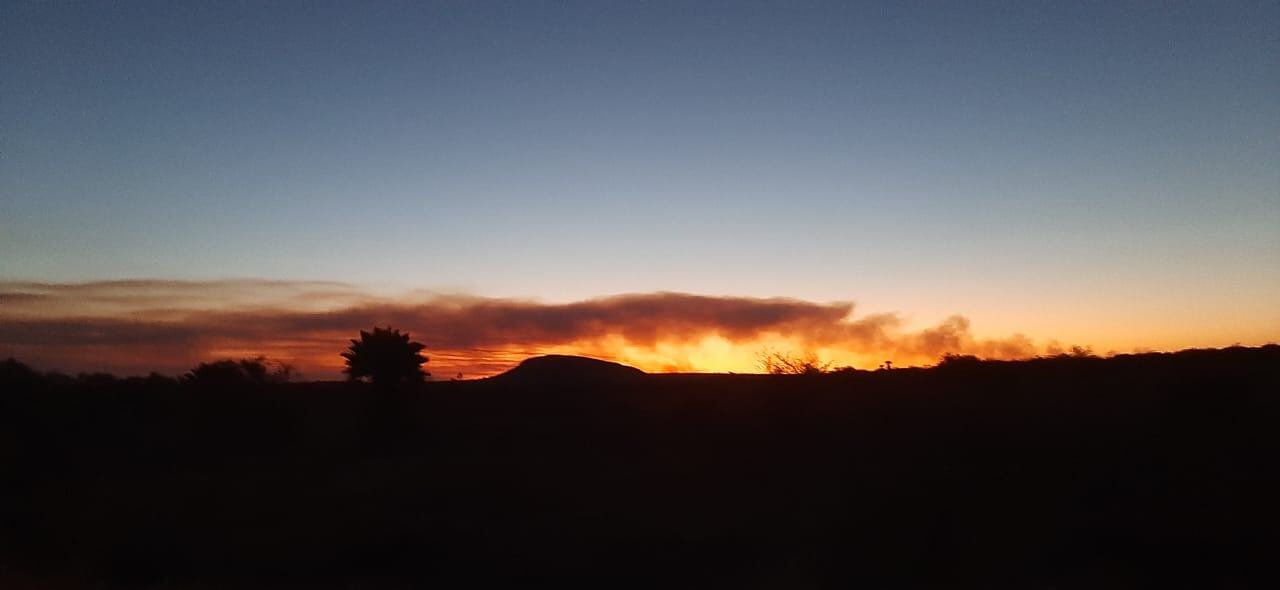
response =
{"points": [[1151, 471]]}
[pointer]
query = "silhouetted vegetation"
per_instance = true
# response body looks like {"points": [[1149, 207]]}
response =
{"points": [[782, 363], [16, 374], [386, 357], [1137, 471], [230, 373]]}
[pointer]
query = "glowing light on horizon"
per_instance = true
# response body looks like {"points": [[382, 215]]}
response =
{"points": [[135, 327]]}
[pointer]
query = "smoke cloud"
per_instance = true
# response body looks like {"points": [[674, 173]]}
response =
{"points": [[137, 326]]}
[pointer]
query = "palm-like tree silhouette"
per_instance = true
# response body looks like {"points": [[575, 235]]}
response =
{"points": [[386, 357]]}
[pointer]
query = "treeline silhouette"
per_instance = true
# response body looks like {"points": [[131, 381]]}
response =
{"points": [[1136, 471]]}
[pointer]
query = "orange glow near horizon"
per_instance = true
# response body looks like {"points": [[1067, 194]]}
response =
{"points": [[135, 327], [710, 354], [319, 359]]}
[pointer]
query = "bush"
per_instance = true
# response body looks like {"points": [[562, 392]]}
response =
{"points": [[232, 373], [779, 363]]}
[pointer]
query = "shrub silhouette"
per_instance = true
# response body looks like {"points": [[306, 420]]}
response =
{"points": [[227, 372], [16, 374], [386, 357], [778, 363], [955, 359]]}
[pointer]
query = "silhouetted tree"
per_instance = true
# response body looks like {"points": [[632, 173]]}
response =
{"points": [[386, 357]]}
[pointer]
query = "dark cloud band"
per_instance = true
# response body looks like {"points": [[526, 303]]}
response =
{"points": [[137, 326]]}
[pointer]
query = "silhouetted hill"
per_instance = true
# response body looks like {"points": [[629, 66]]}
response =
{"points": [[1139, 471], [558, 368]]}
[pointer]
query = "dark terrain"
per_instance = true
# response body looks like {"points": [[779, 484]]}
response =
{"points": [[1142, 471]]}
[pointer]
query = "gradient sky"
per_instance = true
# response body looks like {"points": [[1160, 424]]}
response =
{"points": [[1105, 173]]}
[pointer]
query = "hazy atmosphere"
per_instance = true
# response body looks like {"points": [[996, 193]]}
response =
{"points": [[1095, 174], [384, 294]]}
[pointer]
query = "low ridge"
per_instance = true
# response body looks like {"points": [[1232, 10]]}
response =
{"points": [[567, 368]]}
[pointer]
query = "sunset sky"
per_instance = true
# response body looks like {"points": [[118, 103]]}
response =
{"points": [[673, 185]]}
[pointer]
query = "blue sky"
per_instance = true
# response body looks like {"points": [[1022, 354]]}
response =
{"points": [[1042, 166]]}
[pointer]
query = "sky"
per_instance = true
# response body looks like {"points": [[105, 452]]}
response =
{"points": [[1051, 173]]}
